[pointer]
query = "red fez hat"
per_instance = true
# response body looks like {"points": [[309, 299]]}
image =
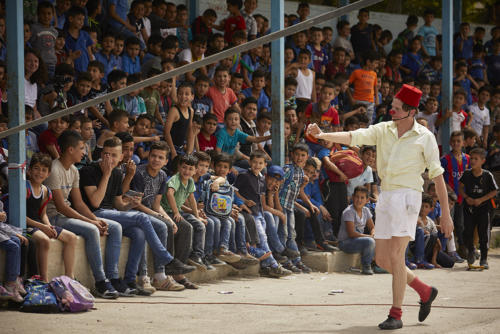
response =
{"points": [[409, 95]]}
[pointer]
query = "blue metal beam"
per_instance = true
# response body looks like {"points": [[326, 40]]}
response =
{"points": [[457, 14], [15, 94], [447, 82], [278, 83], [194, 10]]}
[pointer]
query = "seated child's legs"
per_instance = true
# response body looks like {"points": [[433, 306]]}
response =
{"points": [[212, 236], [91, 235], [198, 234], [42, 242], [272, 223], [137, 248], [363, 245], [161, 231], [69, 240], [183, 240], [252, 237], [240, 235], [418, 248], [12, 249], [225, 232]]}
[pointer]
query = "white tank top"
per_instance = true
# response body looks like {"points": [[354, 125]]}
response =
{"points": [[304, 85]]}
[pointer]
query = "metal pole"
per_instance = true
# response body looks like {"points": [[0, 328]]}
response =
{"points": [[194, 10], [457, 14], [447, 82], [15, 94], [278, 83]]}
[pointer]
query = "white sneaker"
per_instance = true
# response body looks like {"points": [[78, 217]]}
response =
{"points": [[144, 283]]}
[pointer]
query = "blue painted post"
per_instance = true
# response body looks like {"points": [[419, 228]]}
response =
{"points": [[278, 83], [15, 94], [194, 10], [447, 82], [457, 14], [343, 3]]}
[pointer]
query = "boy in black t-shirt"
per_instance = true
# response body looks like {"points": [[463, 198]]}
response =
{"points": [[478, 187], [101, 188]]}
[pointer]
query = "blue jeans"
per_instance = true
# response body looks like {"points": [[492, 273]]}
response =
{"points": [[260, 224], [419, 250], [272, 223], [135, 221], [12, 249], [91, 234], [363, 245], [287, 233], [161, 231], [225, 227], [212, 235]]}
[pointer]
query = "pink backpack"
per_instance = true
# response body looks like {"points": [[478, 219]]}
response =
{"points": [[71, 295]]}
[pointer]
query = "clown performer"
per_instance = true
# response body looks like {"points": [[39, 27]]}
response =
{"points": [[404, 150]]}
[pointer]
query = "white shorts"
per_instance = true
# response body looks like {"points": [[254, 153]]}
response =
{"points": [[397, 213]]}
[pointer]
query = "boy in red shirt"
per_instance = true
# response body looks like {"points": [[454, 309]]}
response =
{"points": [[222, 96], [323, 114], [365, 83], [206, 138], [234, 21], [47, 142]]}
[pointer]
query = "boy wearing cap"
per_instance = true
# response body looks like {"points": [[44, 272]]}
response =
{"points": [[251, 189], [404, 150], [273, 212]]}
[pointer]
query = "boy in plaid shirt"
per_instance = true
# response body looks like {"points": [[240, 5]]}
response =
{"points": [[293, 187]]}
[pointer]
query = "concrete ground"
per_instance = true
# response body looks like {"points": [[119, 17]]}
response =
{"points": [[468, 302]]}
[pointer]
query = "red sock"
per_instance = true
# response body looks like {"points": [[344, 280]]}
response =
{"points": [[422, 289], [396, 313]]}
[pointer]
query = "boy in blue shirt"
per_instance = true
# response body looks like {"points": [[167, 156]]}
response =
{"points": [[78, 40], [465, 80], [230, 135], [412, 61], [464, 43], [106, 56], [257, 91], [429, 34], [131, 62]]}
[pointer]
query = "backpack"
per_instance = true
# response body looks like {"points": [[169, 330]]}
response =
{"points": [[348, 162], [219, 203], [71, 295], [39, 298]]}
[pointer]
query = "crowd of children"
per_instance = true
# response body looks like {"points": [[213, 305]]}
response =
{"points": [[185, 164]]}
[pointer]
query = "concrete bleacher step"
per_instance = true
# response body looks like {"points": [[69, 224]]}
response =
{"points": [[84, 274], [318, 261], [330, 262]]}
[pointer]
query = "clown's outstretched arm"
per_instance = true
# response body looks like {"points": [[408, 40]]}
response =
{"points": [[343, 138]]}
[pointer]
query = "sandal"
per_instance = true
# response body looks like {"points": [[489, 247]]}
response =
{"points": [[188, 284]]}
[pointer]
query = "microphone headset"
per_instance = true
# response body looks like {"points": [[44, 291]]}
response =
{"points": [[392, 112]]}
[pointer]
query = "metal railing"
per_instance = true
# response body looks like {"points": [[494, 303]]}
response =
{"points": [[195, 65]]}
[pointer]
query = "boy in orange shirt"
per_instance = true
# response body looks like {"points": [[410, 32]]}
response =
{"points": [[365, 83], [221, 95]]}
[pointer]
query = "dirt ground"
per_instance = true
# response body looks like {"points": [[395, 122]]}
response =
{"points": [[468, 302]]}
